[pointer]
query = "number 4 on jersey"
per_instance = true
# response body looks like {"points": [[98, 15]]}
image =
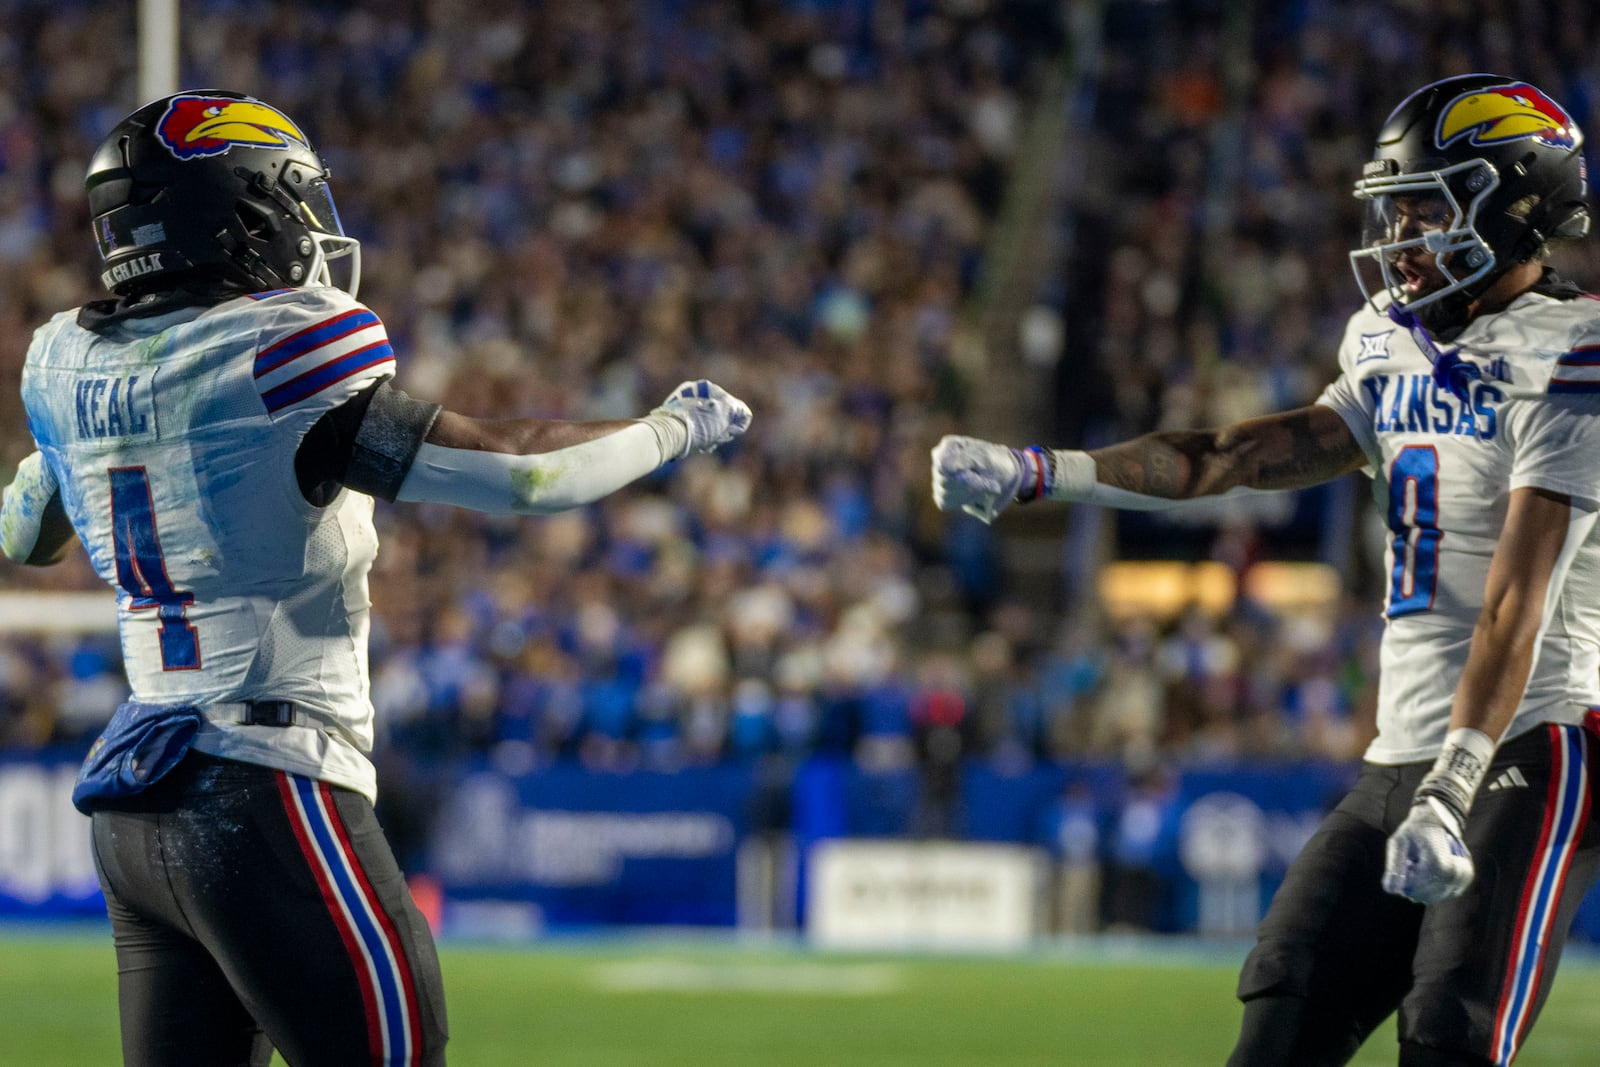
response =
{"points": [[1414, 522], [142, 572]]}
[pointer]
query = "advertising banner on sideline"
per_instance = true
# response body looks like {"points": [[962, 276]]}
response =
{"points": [[566, 846], [45, 865]]}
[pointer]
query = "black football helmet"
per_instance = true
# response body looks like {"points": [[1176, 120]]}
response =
{"points": [[1503, 166], [207, 186]]}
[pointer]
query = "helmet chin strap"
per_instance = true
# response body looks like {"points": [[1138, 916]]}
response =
{"points": [[1446, 317], [1450, 371]]}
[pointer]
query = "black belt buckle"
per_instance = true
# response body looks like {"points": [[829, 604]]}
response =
{"points": [[269, 713]]}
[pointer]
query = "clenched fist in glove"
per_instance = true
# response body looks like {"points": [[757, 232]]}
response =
{"points": [[1427, 859], [983, 478], [712, 415], [979, 477]]}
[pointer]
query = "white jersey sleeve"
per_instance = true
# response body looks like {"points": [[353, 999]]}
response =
{"points": [[1556, 436], [1557, 447], [316, 349], [1351, 402]]}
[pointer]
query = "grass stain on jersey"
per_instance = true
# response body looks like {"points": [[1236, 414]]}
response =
{"points": [[529, 485]]}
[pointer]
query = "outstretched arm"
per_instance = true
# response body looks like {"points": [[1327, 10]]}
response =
{"points": [[523, 437], [533, 466], [1290, 450], [1427, 859]]}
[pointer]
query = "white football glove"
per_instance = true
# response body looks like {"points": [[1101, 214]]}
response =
{"points": [[713, 415], [1427, 859], [979, 477]]}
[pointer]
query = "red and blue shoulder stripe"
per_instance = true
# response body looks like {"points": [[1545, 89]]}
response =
{"points": [[1577, 371], [295, 368]]}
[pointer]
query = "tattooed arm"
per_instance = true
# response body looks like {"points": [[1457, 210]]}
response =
{"points": [[1291, 450]]}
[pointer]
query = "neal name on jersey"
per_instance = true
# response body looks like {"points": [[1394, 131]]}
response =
{"points": [[173, 438]]}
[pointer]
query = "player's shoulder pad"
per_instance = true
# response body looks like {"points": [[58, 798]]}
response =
{"points": [[47, 331], [315, 347]]}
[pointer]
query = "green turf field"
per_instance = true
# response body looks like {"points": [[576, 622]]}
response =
{"points": [[669, 1002]]}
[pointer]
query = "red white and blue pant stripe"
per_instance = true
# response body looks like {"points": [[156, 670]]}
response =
{"points": [[1566, 818], [376, 953]]}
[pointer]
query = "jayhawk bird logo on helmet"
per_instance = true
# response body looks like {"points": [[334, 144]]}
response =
{"points": [[198, 126], [1501, 113]]}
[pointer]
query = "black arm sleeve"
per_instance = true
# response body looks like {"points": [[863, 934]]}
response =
{"points": [[367, 444]]}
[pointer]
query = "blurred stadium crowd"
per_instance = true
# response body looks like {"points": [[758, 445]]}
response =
{"points": [[568, 207]]}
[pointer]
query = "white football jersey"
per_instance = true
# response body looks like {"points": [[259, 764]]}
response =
{"points": [[173, 439], [1443, 471]]}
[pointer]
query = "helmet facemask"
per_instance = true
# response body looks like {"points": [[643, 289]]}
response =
{"points": [[295, 234], [330, 244], [1453, 195]]}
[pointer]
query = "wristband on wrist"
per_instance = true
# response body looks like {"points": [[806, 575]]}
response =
{"points": [[1459, 770], [1038, 473]]}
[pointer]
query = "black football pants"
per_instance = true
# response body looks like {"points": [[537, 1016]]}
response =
{"points": [[1336, 955], [255, 909]]}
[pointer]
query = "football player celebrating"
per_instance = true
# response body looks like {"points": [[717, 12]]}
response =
{"points": [[1470, 392], [215, 437]]}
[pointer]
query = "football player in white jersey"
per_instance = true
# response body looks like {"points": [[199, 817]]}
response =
{"points": [[215, 437], [1470, 393]]}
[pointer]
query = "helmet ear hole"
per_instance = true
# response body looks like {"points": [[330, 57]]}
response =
{"points": [[255, 221]]}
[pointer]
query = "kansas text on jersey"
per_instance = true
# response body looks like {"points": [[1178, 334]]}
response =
{"points": [[1443, 468]]}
